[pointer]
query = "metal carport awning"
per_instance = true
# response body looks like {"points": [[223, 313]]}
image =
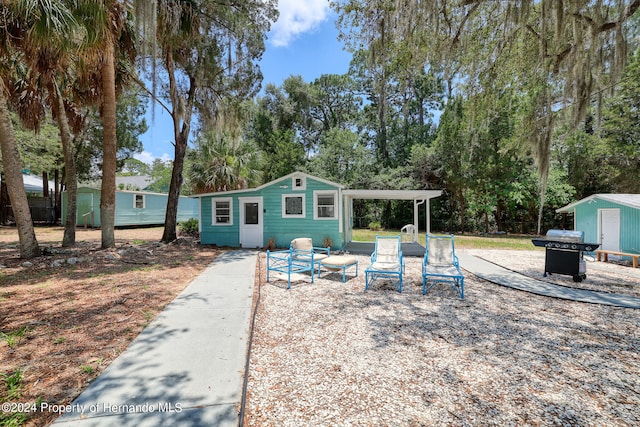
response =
{"points": [[418, 196]]}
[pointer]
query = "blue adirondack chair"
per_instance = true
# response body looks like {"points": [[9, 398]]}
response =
{"points": [[286, 262], [441, 265], [301, 257], [386, 261], [304, 251]]}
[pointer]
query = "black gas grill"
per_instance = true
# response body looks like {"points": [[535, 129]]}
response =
{"points": [[564, 253]]}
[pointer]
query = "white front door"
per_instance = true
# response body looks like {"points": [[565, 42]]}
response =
{"points": [[610, 229], [251, 222]]}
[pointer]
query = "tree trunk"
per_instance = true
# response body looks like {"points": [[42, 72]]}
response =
{"points": [[543, 196], [382, 123], [463, 209], [499, 210], [45, 184], [15, 185], [171, 217], [181, 139], [69, 238], [109, 148], [486, 221], [383, 150], [56, 193], [4, 200]]}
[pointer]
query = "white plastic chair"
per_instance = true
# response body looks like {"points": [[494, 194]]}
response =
{"points": [[411, 231]]}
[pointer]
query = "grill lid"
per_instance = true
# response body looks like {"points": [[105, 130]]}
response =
{"points": [[571, 236]]}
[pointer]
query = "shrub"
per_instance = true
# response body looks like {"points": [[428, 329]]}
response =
{"points": [[271, 244], [375, 226], [189, 227]]}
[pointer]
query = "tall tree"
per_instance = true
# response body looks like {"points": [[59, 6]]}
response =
{"points": [[50, 50], [621, 128], [586, 159], [109, 38], [134, 167], [556, 52], [450, 146], [370, 38], [23, 24], [12, 166], [130, 110], [208, 51], [336, 104], [160, 173], [220, 162], [111, 28], [342, 158], [40, 151], [273, 128]]}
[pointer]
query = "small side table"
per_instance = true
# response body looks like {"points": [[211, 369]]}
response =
{"points": [[336, 263]]}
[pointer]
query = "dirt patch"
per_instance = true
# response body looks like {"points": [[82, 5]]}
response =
{"points": [[65, 316]]}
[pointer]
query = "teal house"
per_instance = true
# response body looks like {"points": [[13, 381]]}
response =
{"points": [[613, 220], [281, 210], [295, 205], [133, 208]]}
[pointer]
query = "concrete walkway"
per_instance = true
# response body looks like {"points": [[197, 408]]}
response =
{"points": [[186, 368], [494, 273]]}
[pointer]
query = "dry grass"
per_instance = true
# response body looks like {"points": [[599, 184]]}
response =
{"points": [[61, 326]]}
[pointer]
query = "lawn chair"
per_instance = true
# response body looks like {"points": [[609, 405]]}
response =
{"points": [[304, 251], [441, 265], [386, 261], [285, 262], [301, 257]]}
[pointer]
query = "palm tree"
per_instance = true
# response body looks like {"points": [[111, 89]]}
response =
{"points": [[222, 163], [17, 19], [109, 148], [68, 151], [109, 38], [49, 51], [12, 165]]}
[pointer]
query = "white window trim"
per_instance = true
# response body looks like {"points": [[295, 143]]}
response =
{"points": [[213, 211], [144, 201], [318, 193], [284, 205], [303, 182]]}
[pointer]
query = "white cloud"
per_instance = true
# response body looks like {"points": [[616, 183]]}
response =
{"points": [[297, 17], [148, 157]]}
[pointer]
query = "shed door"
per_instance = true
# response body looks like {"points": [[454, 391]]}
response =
{"points": [[84, 208], [610, 229], [251, 222]]}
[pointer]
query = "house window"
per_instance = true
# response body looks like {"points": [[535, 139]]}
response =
{"points": [[325, 204], [293, 206], [299, 183], [138, 201], [222, 211]]}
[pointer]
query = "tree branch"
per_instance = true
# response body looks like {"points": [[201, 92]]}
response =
{"points": [[153, 96], [608, 26], [455, 40]]}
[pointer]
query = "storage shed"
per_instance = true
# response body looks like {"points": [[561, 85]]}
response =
{"points": [[613, 220], [296, 205], [133, 208]]}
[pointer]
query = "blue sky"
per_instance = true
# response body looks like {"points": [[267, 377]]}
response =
{"points": [[302, 42]]}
